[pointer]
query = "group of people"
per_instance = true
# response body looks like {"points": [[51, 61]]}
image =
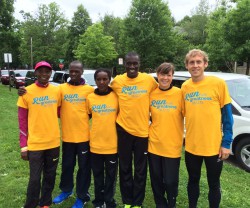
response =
{"points": [[135, 121]]}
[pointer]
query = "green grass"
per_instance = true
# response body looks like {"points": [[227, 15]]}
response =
{"points": [[14, 172]]}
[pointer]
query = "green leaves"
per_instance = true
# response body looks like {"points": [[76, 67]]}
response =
{"points": [[95, 49]]}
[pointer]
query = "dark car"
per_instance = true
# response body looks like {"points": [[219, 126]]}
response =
{"points": [[5, 77], [17, 78], [30, 78]]}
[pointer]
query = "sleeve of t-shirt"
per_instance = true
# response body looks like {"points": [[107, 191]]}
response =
{"points": [[224, 94], [21, 102], [23, 126], [88, 106], [154, 83]]}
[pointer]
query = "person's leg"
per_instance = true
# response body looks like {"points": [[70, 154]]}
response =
{"points": [[83, 177], [111, 164], [97, 166], [214, 168], [193, 164], [51, 158], [156, 176], [34, 186], [68, 165], [140, 169], [125, 145], [171, 179]]}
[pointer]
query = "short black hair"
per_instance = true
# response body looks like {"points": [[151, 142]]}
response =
{"points": [[75, 62], [132, 53], [165, 68], [102, 70]]}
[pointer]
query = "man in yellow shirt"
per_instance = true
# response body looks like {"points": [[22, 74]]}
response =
{"points": [[133, 89], [75, 135], [40, 136], [207, 106]]}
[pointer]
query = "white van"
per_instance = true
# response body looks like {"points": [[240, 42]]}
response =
{"points": [[239, 89]]}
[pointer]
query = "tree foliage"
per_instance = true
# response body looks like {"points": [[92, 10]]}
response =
{"points": [[194, 26], [95, 49], [114, 26], [9, 39], [220, 51], [149, 31], [79, 24], [46, 33], [238, 31]]}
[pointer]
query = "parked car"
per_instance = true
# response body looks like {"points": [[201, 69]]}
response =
{"points": [[17, 78], [60, 77], [239, 89], [5, 77], [63, 76], [31, 77]]}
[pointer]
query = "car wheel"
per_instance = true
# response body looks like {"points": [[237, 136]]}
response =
{"points": [[242, 153]]}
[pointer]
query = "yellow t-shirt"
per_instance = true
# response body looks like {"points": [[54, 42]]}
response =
{"points": [[74, 114], [103, 136], [43, 126], [203, 103], [133, 96], [167, 127]]}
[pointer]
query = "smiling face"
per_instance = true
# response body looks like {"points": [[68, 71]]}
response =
{"points": [[132, 64], [165, 80], [43, 74], [102, 81], [196, 66], [75, 72]]}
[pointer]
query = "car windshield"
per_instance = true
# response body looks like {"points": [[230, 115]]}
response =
{"points": [[239, 90], [4, 72], [21, 73], [89, 79]]}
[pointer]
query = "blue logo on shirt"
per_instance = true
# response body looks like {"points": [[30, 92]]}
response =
{"points": [[196, 97], [74, 98], [133, 90], [102, 108], [44, 100], [162, 105]]}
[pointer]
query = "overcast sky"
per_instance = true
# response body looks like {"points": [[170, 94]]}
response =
{"points": [[98, 8]]}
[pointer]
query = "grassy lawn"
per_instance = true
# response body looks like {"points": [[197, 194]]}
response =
{"points": [[14, 172]]}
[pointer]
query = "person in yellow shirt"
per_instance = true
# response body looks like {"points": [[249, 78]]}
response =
{"points": [[165, 138], [75, 135], [207, 112], [103, 107], [40, 136], [133, 89]]}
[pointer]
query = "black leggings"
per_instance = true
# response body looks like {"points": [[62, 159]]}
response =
{"points": [[214, 168]]}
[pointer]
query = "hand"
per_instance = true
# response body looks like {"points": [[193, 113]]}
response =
{"points": [[21, 91], [224, 153], [24, 155]]}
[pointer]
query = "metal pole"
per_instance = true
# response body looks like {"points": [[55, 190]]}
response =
{"points": [[8, 64], [31, 53]]}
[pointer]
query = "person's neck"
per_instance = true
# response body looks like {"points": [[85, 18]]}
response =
{"points": [[42, 84], [198, 79]]}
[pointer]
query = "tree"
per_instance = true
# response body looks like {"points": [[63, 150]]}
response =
{"points": [[218, 48], [114, 26], [238, 31], [9, 39], [194, 26], [149, 31], [79, 24], [95, 49], [45, 33]]}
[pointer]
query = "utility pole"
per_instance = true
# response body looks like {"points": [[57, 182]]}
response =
{"points": [[31, 53]]}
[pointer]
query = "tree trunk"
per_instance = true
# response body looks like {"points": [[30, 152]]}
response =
{"points": [[248, 63]]}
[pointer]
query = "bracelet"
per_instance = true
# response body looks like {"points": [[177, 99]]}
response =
{"points": [[24, 149]]}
